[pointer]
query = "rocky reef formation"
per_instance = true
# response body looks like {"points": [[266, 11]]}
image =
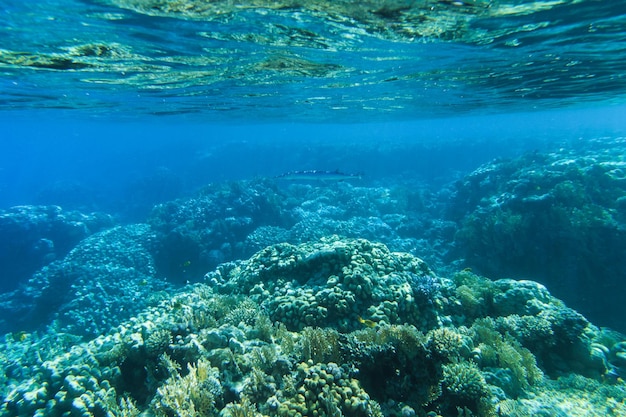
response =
{"points": [[106, 278], [330, 328], [225, 222], [33, 236], [559, 218]]}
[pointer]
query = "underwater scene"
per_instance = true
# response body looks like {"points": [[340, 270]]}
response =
{"points": [[312, 208]]}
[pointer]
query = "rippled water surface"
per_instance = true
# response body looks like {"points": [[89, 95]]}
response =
{"points": [[316, 60]]}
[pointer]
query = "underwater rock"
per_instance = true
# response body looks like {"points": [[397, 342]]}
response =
{"points": [[226, 348], [33, 236]]}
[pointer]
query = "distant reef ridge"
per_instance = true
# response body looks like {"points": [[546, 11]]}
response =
{"points": [[32, 236], [557, 217]]}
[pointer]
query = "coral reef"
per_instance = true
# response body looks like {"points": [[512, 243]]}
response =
{"points": [[318, 315], [225, 222], [467, 388], [198, 233], [342, 283], [106, 278], [556, 217], [226, 348], [34, 236]]}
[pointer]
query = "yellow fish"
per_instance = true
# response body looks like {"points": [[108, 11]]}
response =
{"points": [[20, 336], [365, 322]]}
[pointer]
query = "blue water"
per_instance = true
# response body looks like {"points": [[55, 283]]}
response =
{"points": [[107, 159], [115, 106], [144, 144]]}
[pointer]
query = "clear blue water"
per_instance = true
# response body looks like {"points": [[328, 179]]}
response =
{"points": [[144, 144], [107, 158]]}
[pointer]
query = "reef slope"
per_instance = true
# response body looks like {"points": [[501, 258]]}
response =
{"points": [[334, 327]]}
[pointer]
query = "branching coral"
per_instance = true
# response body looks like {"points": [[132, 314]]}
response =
{"points": [[448, 345], [501, 351], [320, 345], [326, 390], [191, 395]]}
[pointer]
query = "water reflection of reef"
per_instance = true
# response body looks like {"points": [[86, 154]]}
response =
{"points": [[403, 58], [391, 19]]}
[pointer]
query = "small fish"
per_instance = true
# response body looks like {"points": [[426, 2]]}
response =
{"points": [[612, 375], [365, 322], [317, 175], [21, 336]]}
